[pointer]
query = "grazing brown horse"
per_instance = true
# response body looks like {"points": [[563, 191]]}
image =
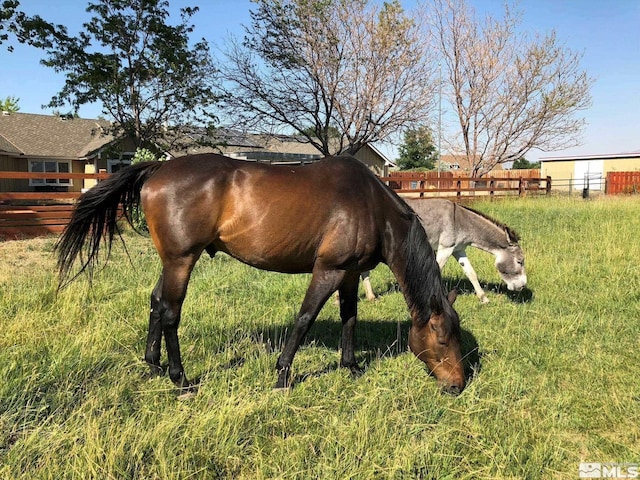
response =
{"points": [[333, 219]]}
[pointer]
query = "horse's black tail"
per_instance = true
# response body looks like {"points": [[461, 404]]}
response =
{"points": [[96, 216]]}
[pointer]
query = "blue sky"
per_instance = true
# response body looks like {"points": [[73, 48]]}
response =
{"points": [[606, 32]]}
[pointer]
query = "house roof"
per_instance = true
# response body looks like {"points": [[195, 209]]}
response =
{"points": [[254, 146], [35, 135], [604, 156], [52, 136]]}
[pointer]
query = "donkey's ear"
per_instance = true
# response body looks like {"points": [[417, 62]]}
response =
{"points": [[510, 240], [512, 237], [435, 305], [453, 294]]}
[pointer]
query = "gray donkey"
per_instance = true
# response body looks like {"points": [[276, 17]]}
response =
{"points": [[451, 228]]}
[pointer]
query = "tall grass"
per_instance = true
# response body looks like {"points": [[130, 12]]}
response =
{"points": [[555, 369]]}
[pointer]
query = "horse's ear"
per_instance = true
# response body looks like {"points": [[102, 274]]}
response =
{"points": [[453, 294], [435, 305]]}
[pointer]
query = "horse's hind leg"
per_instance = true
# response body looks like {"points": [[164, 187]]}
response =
{"points": [[348, 314], [323, 284], [154, 336], [175, 277]]}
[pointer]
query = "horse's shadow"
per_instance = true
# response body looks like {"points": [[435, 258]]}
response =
{"points": [[375, 340]]}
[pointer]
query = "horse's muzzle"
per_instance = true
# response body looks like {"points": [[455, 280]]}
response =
{"points": [[454, 390]]}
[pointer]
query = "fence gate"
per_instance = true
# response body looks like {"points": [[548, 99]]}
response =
{"points": [[623, 182]]}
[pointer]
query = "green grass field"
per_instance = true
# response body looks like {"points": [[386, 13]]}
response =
{"points": [[555, 370]]}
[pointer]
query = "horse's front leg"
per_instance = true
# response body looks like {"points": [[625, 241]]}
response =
{"points": [[154, 335], [323, 284]]}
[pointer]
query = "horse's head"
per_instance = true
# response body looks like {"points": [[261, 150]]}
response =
{"points": [[437, 343], [510, 263]]}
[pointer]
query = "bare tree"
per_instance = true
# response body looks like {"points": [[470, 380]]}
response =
{"points": [[321, 67], [511, 92], [145, 72]]}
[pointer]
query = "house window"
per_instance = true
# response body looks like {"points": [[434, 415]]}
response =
{"points": [[115, 164], [50, 166]]}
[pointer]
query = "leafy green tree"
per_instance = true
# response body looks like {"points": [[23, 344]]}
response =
{"points": [[332, 132], [7, 19], [141, 69], [31, 30], [418, 150], [524, 164], [138, 220], [9, 104]]}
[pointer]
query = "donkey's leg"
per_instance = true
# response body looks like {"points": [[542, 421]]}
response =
{"points": [[323, 284], [176, 275], [442, 255], [366, 281], [348, 314], [154, 336], [464, 262]]}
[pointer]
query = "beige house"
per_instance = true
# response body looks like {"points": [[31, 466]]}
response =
{"points": [[461, 163], [579, 171], [54, 144], [61, 144]]}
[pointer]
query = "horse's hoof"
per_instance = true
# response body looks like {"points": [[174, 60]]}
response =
{"points": [[186, 390], [355, 369], [188, 395], [156, 371], [284, 381], [484, 299]]}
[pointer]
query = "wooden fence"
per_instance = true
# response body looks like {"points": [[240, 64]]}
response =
{"points": [[622, 182], [28, 214], [449, 184]]}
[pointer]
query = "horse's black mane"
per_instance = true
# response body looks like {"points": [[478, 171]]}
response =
{"points": [[513, 235], [422, 279]]}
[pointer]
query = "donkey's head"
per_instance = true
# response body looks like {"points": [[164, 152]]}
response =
{"points": [[510, 262]]}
